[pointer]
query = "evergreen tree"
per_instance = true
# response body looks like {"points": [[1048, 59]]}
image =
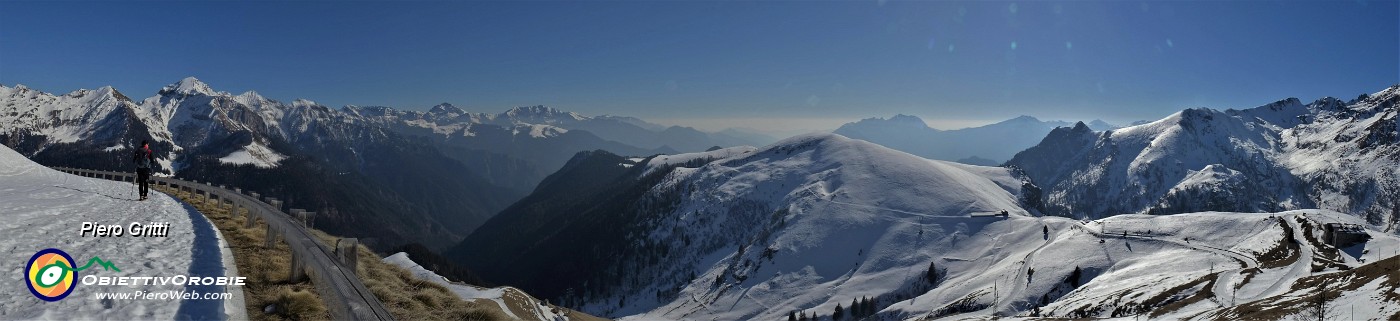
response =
{"points": [[792, 316], [839, 313], [855, 308], [869, 307], [802, 316], [932, 273]]}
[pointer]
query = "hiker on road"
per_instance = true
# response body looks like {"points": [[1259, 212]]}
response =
{"points": [[143, 158]]}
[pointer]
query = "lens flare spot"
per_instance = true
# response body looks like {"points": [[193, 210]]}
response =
{"points": [[1012, 8], [1170, 44], [1069, 45], [1013, 45]]}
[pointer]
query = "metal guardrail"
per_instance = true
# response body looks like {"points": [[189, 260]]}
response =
{"points": [[333, 269]]}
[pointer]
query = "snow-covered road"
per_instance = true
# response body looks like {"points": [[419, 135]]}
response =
{"points": [[42, 208]]}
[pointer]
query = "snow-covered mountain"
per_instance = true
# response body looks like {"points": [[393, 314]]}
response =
{"points": [[983, 145], [369, 181], [817, 221], [1328, 154]]}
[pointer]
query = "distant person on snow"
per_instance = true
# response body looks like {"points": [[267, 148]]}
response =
{"points": [[143, 158]]}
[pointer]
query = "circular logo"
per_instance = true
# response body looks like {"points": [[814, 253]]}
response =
{"points": [[50, 274]]}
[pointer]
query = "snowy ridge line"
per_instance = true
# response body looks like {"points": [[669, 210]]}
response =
{"points": [[338, 285]]}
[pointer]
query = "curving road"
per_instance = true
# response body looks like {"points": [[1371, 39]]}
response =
{"points": [[343, 292]]}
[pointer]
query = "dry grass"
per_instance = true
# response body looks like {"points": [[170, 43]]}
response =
{"points": [[267, 269], [410, 298]]}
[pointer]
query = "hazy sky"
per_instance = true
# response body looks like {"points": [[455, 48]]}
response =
{"points": [[787, 64]]}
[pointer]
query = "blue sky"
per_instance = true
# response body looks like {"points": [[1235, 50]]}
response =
{"points": [[791, 64]]}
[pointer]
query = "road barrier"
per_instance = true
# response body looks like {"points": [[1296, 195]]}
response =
{"points": [[331, 268]]}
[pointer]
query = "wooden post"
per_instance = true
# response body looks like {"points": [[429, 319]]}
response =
{"points": [[252, 219], [298, 272], [271, 238], [309, 219], [306, 219], [237, 208], [299, 215], [345, 250]]}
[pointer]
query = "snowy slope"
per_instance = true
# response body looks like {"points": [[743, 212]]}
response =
{"points": [[1186, 266], [664, 161], [254, 154], [44, 208], [774, 225]]}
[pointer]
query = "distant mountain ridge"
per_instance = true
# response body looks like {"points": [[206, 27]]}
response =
{"points": [[365, 180], [988, 144], [1330, 154], [521, 145]]}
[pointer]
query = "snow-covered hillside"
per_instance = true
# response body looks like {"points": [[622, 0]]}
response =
{"points": [[853, 220], [809, 220], [42, 208], [1327, 154], [805, 213], [1184, 266], [817, 221]]}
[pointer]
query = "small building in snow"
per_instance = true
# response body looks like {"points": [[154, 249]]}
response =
{"points": [[1342, 235]]}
